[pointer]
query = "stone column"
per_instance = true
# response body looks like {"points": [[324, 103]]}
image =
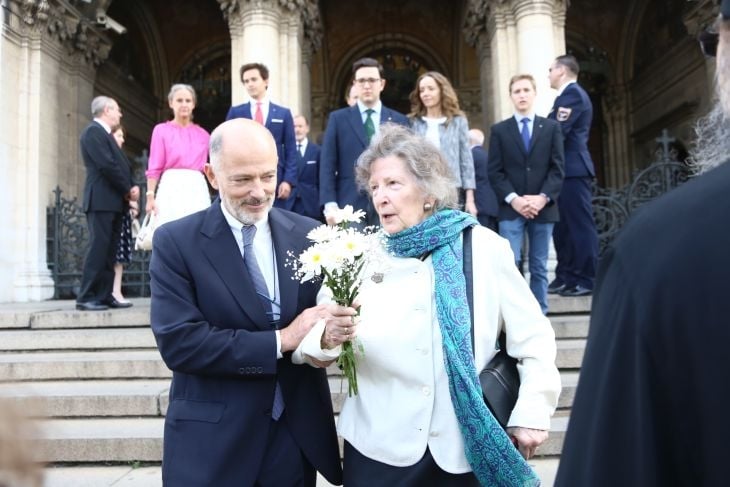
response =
{"points": [[49, 54], [272, 32], [616, 115]]}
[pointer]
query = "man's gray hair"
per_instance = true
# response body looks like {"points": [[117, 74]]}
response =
{"points": [[423, 160], [215, 147], [98, 105], [711, 146]]}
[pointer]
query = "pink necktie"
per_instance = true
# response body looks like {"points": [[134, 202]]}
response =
{"points": [[259, 116]]}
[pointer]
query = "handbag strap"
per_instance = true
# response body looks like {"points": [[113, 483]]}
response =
{"points": [[468, 276]]}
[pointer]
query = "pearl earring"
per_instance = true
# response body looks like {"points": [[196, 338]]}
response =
{"points": [[427, 206]]}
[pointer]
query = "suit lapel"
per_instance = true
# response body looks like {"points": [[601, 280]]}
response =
{"points": [[224, 255], [281, 231], [355, 120], [514, 130], [537, 128]]}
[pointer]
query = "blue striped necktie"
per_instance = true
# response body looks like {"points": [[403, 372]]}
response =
{"points": [[526, 133], [262, 291]]}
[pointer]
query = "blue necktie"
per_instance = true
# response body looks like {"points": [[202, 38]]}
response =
{"points": [[259, 283], [526, 133]]}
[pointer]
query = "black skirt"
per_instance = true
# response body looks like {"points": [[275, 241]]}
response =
{"points": [[124, 248]]}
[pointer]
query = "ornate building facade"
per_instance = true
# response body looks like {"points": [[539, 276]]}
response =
{"points": [[640, 63]]}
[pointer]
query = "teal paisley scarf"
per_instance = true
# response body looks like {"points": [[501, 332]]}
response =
{"points": [[488, 449]]}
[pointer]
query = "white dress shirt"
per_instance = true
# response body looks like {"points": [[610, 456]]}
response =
{"points": [[263, 246], [264, 108]]}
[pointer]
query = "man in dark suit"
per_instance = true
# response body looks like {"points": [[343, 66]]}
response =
{"points": [[484, 196], [306, 193], [348, 133], [227, 315], [278, 119], [108, 184], [652, 401], [575, 235], [526, 170]]}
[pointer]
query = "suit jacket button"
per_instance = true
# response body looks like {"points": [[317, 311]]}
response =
{"points": [[260, 370], [241, 371]]}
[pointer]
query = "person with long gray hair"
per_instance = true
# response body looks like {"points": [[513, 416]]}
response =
{"points": [[652, 400], [419, 417], [176, 185]]}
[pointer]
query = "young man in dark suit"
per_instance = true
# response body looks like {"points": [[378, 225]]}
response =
{"points": [[348, 133], [526, 171], [227, 314], [278, 119], [108, 184], [575, 235], [306, 193]]}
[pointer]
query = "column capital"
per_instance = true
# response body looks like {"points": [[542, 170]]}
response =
{"points": [[702, 14], [61, 21], [523, 8]]}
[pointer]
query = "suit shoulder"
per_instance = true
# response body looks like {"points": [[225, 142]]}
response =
{"points": [[302, 223]]}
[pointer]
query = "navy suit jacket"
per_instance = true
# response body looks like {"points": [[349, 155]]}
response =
{"points": [[512, 169], [344, 141], [213, 333], [484, 196], [281, 125], [574, 111], [108, 173], [306, 200]]}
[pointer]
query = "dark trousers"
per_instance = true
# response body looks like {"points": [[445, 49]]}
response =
{"points": [[575, 236], [283, 464], [361, 471], [97, 278], [491, 222]]}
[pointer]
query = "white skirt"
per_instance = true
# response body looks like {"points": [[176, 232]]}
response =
{"points": [[180, 192]]}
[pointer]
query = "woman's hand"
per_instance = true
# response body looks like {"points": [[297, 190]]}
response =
{"points": [[527, 439], [150, 206], [338, 331]]}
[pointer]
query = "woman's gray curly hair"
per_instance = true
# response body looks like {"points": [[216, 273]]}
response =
{"points": [[423, 160]]}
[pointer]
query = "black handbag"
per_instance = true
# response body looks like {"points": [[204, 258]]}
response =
{"points": [[500, 380]]}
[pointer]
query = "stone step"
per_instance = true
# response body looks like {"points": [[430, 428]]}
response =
{"points": [[570, 353], [63, 314], [77, 339], [91, 398], [570, 326], [561, 305], [101, 440], [82, 365], [151, 476], [140, 439]]}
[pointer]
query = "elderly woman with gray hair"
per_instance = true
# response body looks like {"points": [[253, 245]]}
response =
{"points": [[419, 417], [176, 185]]}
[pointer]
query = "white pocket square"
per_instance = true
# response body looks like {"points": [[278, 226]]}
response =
{"points": [[277, 120], [311, 162]]}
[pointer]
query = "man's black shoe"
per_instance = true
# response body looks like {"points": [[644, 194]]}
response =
{"points": [[113, 303], [91, 306], [576, 291], [555, 287]]}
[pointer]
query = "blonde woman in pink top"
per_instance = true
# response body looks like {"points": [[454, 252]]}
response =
{"points": [[176, 185]]}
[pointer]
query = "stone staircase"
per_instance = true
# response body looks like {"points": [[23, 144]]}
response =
{"points": [[99, 387]]}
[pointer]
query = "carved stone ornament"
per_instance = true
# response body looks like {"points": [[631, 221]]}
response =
{"points": [[64, 23], [308, 9]]}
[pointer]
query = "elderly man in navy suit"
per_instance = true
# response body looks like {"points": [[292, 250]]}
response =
{"points": [[278, 119], [227, 314], [526, 170], [348, 133], [484, 196], [108, 184], [575, 235], [306, 194]]}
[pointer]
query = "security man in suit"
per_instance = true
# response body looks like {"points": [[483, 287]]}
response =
{"points": [[575, 235], [348, 133], [484, 196], [526, 170], [278, 119], [108, 184], [306, 193], [227, 315]]}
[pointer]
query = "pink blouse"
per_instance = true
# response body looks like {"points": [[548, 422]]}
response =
{"points": [[177, 147]]}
